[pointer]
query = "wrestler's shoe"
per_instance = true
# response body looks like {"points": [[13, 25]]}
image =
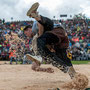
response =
{"points": [[68, 69], [71, 72], [37, 59], [32, 12], [64, 69]]}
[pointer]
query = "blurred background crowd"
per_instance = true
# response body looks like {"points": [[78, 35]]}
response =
{"points": [[78, 31]]}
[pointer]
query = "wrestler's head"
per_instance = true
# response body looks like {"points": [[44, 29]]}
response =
{"points": [[28, 31]]}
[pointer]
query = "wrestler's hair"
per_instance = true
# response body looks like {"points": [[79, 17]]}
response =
{"points": [[28, 26]]}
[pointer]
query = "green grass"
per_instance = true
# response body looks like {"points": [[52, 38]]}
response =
{"points": [[81, 62]]}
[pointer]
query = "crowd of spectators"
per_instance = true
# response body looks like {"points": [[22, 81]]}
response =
{"points": [[79, 37], [78, 31], [13, 29]]}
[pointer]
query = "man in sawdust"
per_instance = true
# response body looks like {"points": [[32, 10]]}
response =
{"points": [[50, 37]]}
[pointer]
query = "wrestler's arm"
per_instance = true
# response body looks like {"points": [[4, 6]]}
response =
{"points": [[36, 67], [41, 29]]}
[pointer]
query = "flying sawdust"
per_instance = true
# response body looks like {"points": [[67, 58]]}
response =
{"points": [[79, 82]]}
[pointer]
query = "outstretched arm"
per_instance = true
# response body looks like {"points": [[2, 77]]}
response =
{"points": [[36, 67]]}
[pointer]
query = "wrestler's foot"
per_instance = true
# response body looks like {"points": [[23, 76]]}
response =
{"points": [[63, 69], [71, 72], [32, 12], [36, 59]]}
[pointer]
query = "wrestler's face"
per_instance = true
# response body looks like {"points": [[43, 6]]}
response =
{"points": [[28, 32]]}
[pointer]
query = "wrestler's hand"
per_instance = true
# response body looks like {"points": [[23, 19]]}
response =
{"points": [[51, 48]]}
